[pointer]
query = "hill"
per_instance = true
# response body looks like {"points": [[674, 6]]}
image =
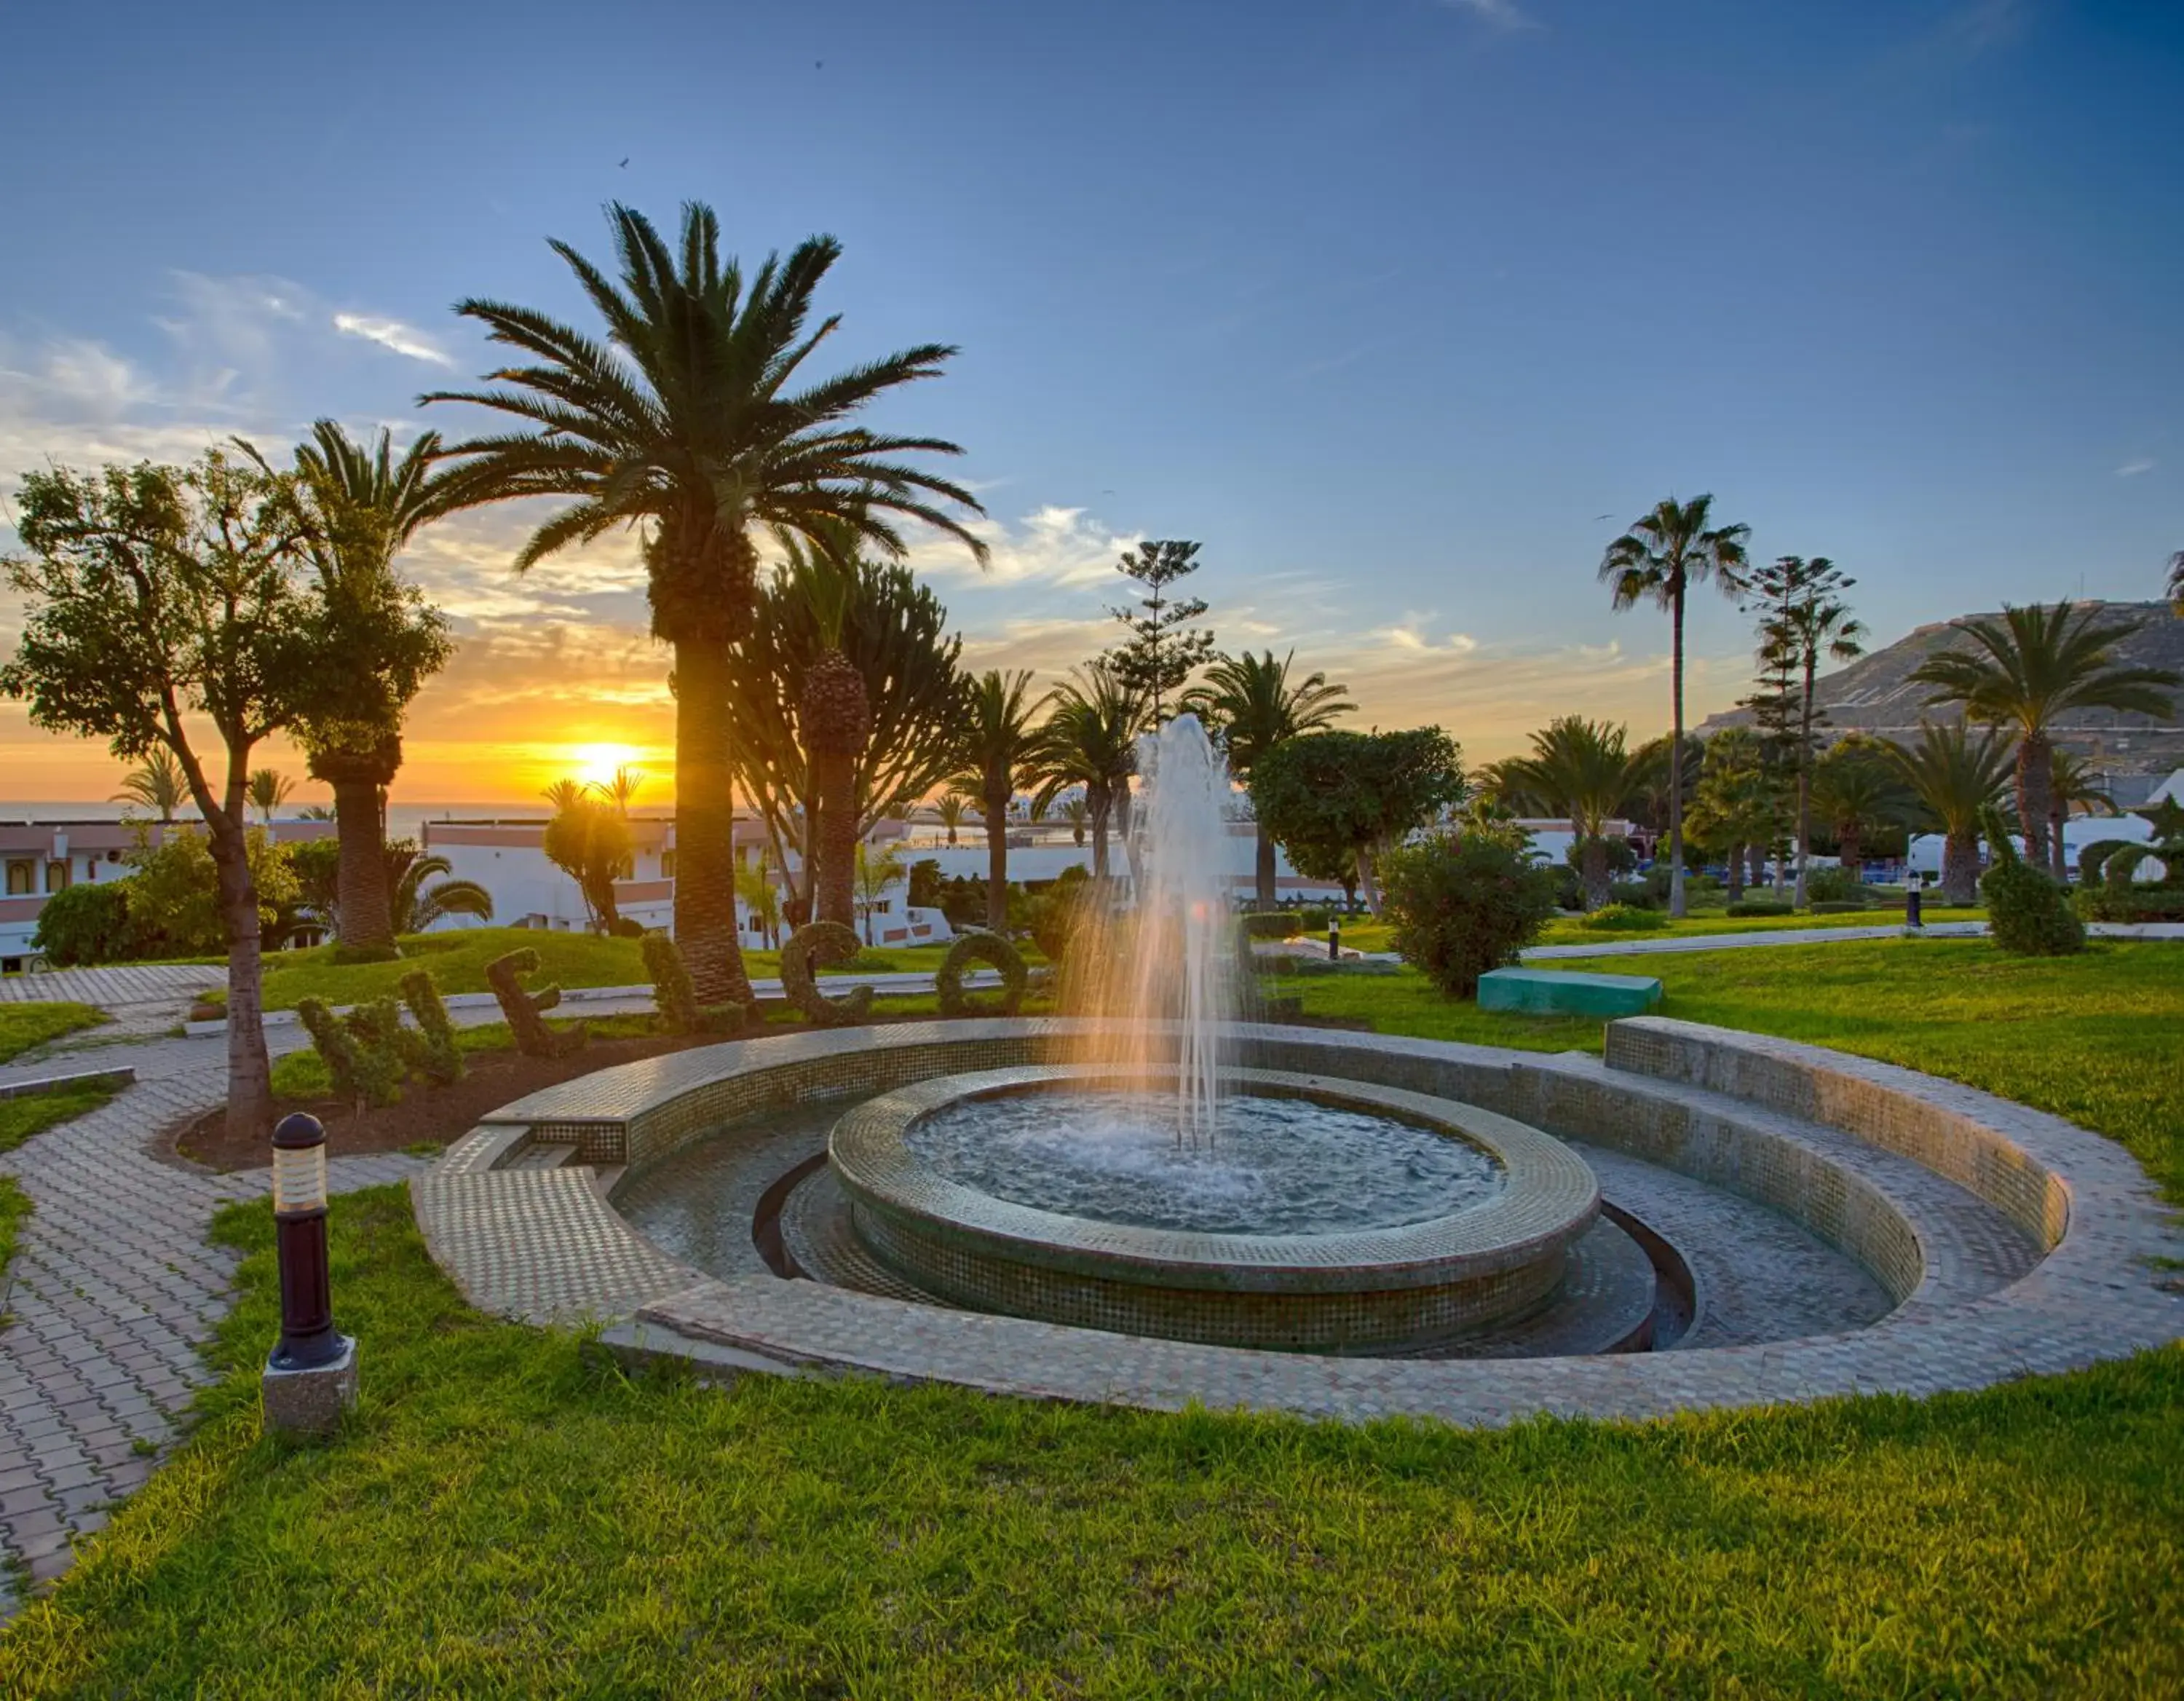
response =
{"points": [[1875, 695]]}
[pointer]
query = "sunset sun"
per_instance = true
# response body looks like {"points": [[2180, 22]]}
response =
{"points": [[595, 764]]}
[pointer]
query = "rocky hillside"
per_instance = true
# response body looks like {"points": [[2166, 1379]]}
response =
{"points": [[1875, 695]]}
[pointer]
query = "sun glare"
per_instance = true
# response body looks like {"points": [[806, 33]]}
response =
{"points": [[595, 764]]}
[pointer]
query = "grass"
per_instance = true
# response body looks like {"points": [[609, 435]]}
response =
{"points": [[503, 1519], [1371, 935], [2093, 1037], [34, 1112], [15, 1206], [457, 961], [23, 1026]]}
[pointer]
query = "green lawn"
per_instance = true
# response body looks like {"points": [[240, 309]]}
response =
{"points": [[2092, 1037], [15, 1206], [36, 1113], [503, 1520], [22, 1026], [1372, 935], [458, 960]]}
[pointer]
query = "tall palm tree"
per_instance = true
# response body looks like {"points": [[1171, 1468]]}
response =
{"points": [[376, 641], [1251, 705], [1658, 560], [1582, 770], [834, 719], [158, 783], [999, 745], [268, 788], [417, 906], [950, 809], [2023, 671], [1090, 739], [686, 426], [1956, 780]]}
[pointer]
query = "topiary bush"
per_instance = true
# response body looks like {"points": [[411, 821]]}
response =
{"points": [[1463, 905], [976, 944], [364, 1069], [1754, 907], [822, 945], [90, 922], [434, 1049], [676, 995], [1834, 886], [2028, 914], [1623, 918], [2092, 860], [525, 1009]]}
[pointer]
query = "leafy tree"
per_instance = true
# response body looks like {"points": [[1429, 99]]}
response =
{"points": [[1464, 904], [1857, 790], [1584, 773], [893, 634], [1251, 704], [1739, 802], [1804, 619], [687, 426], [90, 922], [1090, 739], [1955, 781], [590, 842], [1329, 796], [2026, 670], [998, 747], [375, 641], [269, 790], [1162, 648], [158, 783], [1658, 560], [156, 595], [175, 892]]}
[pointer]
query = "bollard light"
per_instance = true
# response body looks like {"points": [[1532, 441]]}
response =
{"points": [[1912, 917], [308, 1340], [1334, 941]]}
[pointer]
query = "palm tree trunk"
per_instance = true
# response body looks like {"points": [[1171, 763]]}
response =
{"points": [[1850, 847], [1736, 872], [997, 863], [1676, 760], [2034, 787], [1097, 806], [1960, 868], [2057, 813], [1265, 870], [706, 824], [1594, 858], [835, 883], [366, 918]]}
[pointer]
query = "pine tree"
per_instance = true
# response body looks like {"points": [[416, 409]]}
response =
{"points": [[1163, 650]]}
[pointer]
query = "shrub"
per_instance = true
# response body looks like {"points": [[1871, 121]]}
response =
{"points": [[525, 1010], [2028, 914], [2106, 903], [174, 890], [1052, 916], [1569, 890], [1753, 907], [2093, 859], [1623, 918], [1635, 894], [91, 923], [1274, 924], [1834, 886], [675, 996], [1463, 905], [820, 945], [925, 883], [977, 945], [363, 1069]]}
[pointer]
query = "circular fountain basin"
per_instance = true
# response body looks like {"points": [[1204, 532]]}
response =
{"points": [[1435, 1241]]}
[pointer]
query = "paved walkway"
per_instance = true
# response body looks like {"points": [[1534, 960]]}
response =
{"points": [[142, 998], [112, 1291]]}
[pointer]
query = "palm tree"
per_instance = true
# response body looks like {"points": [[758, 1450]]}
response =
{"points": [[684, 426], [565, 794], [377, 643], [876, 871], [755, 887], [1956, 780], [1856, 789], [2076, 789], [158, 783], [1079, 814], [268, 788], [2026, 670], [999, 744], [834, 717], [620, 790], [1581, 770], [415, 906], [1251, 704], [950, 809], [1090, 739], [1659, 558]]}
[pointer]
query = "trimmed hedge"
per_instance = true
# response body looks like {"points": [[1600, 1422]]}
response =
{"points": [[1749, 908], [976, 944], [1274, 924], [1623, 918], [822, 945]]}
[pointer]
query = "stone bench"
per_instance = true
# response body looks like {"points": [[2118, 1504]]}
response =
{"points": [[1551, 992]]}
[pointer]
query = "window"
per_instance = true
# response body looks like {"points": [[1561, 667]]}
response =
{"points": [[21, 875], [57, 877], [667, 864]]}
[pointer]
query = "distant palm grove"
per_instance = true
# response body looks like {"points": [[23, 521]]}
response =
{"points": [[817, 687]]}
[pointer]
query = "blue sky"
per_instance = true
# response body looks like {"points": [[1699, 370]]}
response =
{"points": [[1402, 306]]}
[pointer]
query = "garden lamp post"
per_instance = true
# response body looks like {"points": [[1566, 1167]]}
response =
{"points": [[310, 1379]]}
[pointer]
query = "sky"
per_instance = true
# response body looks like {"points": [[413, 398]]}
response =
{"points": [[1403, 309]]}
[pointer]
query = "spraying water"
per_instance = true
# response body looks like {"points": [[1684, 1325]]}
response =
{"points": [[1171, 963]]}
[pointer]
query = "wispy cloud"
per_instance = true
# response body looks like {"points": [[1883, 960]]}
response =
{"points": [[1502, 14], [393, 334], [1052, 546], [2131, 469]]}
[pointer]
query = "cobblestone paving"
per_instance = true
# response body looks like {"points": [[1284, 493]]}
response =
{"points": [[113, 1289], [140, 1000]]}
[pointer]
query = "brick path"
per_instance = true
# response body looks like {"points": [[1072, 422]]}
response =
{"points": [[113, 1289]]}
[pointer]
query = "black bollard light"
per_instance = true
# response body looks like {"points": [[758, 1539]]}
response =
{"points": [[1334, 941], [308, 1340], [1911, 901]]}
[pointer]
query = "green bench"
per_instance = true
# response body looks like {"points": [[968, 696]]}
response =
{"points": [[1548, 992]]}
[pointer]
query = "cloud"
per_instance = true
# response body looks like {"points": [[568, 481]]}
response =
{"points": [[392, 333], [1502, 14], [2131, 469], [1053, 546]]}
